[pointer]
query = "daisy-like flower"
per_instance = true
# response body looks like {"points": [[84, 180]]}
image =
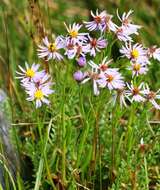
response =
{"points": [[151, 96], [138, 69], [135, 53], [112, 80], [154, 52], [126, 23], [120, 95], [135, 93], [96, 45], [39, 94], [78, 49], [74, 35], [122, 34], [103, 67], [98, 23], [93, 75], [30, 73], [50, 50]]}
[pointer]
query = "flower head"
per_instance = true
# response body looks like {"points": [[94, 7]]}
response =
{"points": [[98, 22], [30, 73], [135, 53], [135, 92], [112, 80], [127, 23], [154, 52], [74, 36], [96, 45], [138, 69], [50, 50], [151, 96]]}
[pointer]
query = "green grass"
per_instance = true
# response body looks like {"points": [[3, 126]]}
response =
{"points": [[80, 141]]}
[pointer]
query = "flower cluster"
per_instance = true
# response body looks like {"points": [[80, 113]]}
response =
{"points": [[84, 45], [139, 57], [37, 84]]}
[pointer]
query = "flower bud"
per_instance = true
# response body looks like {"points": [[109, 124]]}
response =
{"points": [[78, 75], [81, 61]]}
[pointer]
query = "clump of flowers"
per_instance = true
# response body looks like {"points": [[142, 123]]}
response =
{"points": [[90, 53], [37, 84]]}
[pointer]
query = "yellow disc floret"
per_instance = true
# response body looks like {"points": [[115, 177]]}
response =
{"points": [[73, 33], [52, 47], [38, 94], [30, 73], [135, 53], [136, 66]]}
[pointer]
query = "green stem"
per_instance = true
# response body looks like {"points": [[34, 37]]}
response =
{"points": [[146, 173]]}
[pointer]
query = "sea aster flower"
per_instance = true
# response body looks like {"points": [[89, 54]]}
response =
{"points": [[50, 50], [151, 96], [154, 52], [81, 61], [73, 33], [135, 53], [98, 23], [112, 79], [136, 93], [138, 69], [39, 94], [95, 45], [78, 75], [93, 75], [30, 73], [78, 49], [126, 23], [120, 95], [103, 67], [122, 34]]}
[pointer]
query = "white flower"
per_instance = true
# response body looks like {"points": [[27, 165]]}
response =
{"points": [[151, 96], [138, 69], [72, 50], [94, 76], [112, 79], [122, 34], [135, 92], [39, 94], [154, 52], [120, 95], [73, 33], [30, 73], [50, 50], [40, 90], [98, 22], [126, 23], [135, 53], [95, 45], [103, 66]]}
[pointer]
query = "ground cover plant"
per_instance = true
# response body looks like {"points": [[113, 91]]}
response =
{"points": [[82, 110]]}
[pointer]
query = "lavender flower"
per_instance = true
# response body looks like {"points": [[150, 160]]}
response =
{"points": [[96, 44], [78, 75], [50, 50], [81, 61]]}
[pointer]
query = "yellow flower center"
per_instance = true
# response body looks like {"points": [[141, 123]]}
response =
{"points": [[30, 73], [38, 94], [110, 78], [52, 47], [135, 53], [73, 33], [136, 66]]}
